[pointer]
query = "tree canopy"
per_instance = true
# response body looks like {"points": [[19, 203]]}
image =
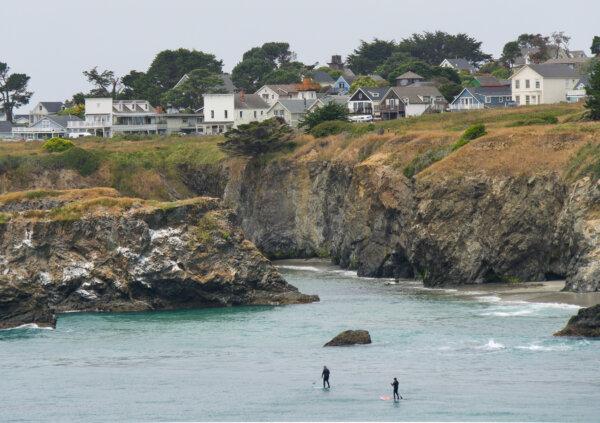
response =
{"points": [[13, 90], [365, 81], [272, 63], [329, 112], [595, 45], [434, 47], [188, 95], [510, 53], [369, 55], [257, 138], [593, 92], [105, 83]]}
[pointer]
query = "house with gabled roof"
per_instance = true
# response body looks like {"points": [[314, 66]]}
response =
{"points": [[408, 78], [46, 127], [271, 93], [412, 100], [223, 112], [545, 83], [322, 78], [329, 99], [44, 108], [227, 84], [472, 98], [290, 110], [459, 65], [366, 101], [579, 92]]}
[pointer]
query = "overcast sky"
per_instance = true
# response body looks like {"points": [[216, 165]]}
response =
{"points": [[54, 41]]}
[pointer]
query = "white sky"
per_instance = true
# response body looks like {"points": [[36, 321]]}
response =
{"points": [[54, 41]]}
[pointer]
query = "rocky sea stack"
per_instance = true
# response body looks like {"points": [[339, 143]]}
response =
{"points": [[91, 250], [585, 323], [350, 337]]}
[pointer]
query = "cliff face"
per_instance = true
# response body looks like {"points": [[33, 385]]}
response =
{"points": [[468, 219], [117, 254]]}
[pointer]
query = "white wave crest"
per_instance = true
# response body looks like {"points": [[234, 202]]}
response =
{"points": [[491, 346], [30, 326], [489, 299], [536, 347], [508, 313], [292, 267]]}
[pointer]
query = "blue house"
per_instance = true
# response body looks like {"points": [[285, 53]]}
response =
{"points": [[472, 98], [343, 83]]}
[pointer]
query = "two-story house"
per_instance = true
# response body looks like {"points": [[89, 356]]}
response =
{"points": [[365, 101], [471, 98], [459, 65], [46, 127], [223, 112], [412, 100], [543, 83], [290, 110], [43, 109], [273, 92]]}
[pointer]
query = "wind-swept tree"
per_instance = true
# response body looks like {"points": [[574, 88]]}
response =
{"points": [[539, 44], [257, 138], [369, 55], [434, 47], [510, 53], [13, 90], [105, 83], [596, 45], [593, 92], [561, 42]]}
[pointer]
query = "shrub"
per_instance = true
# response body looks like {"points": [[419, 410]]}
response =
{"points": [[257, 138], [328, 112], [471, 133], [332, 127], [537, 120], [83, 161], [592, 103], [57, 145], [425, 160]]}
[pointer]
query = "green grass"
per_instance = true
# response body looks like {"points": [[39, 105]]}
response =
{"points": [[586, 162]]}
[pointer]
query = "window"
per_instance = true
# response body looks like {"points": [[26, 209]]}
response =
{"points": [[241, 114], [527, 83], [261, 112], [537, 84], [255, 114], [488, 99], [501, 99], [517, 84], [518, 99], [527, 101], [226, 114], [265, 96], [212, 114]]}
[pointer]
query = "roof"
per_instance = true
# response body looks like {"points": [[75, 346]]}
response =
{"points": [[337, 99], [52, 106], [413, 92], [136, 109], [585, 80], [568, 60], [377, 78], [554, 70], [321, 77], [296, 105], [284, 89], [374, 94], [5, 126], [490, 81], [249, 101], [461, 63], [63, 120], [225, 77], [410, 75], [491, 91]]}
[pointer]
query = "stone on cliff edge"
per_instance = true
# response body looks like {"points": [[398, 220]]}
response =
{"points": [[585, 323], [350, 337], [90, 250]]}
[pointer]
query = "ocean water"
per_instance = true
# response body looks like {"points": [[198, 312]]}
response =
{"points": [[456, 359]]}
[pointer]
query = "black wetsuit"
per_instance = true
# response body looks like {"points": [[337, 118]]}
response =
{"points": [[325, 376], [395, 384]]}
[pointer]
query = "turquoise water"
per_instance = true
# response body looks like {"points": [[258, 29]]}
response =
{"points": [[456, 359]]}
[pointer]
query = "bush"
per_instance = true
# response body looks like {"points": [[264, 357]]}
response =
{"points": [[425, 160], [83, 161], [471, 133], [57, 145], [537, 120], [328, 112], [257, 138], [332, 127]]}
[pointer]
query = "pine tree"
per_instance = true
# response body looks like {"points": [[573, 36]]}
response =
{"points": [[593, 92]]}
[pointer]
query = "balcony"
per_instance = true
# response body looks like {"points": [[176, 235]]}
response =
{"points": [[83, 124], [470, 106]]}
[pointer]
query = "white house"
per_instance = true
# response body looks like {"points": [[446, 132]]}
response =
{"points": [[291, 110], [46, 127], [107, 117], [545, 83], [272, 93], [44, 108], [223, 112], [459, 65]]}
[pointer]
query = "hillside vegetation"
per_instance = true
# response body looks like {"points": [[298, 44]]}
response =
{"points": [[517, 141]]}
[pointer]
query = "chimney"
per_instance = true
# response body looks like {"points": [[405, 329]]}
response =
{"points": [[242, 96]]}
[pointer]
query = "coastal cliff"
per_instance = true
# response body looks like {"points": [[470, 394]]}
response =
{"points": [[398, 200], [91, 250]]}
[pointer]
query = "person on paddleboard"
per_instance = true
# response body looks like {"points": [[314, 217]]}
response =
{"points": [[325, 376], [395, 384]]}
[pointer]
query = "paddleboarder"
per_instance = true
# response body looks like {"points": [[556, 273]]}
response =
{"points": [[325, 376], [395, 384]]}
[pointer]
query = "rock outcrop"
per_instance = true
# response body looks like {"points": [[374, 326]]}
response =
{"points": [[585, 323], [350, 337], [85, 250]]}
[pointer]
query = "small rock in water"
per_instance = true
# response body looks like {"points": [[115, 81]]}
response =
{"points": [[585, 323], [350, 337]]}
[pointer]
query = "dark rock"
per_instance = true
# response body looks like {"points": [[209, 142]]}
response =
{"points": [[585, 323], [350, 337], [151, 257]]}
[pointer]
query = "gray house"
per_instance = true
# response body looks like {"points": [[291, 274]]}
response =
{"points": [[47, 127], [291, 110], [44, 108]]}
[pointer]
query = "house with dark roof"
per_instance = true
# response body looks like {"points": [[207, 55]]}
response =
{"points": [[459, 65], [47, 127], [227, 84], [321, 78], [472, 98], [408, 78], [366, 101], [44, 108], [489, 81], [412, 100], [290, 110], [329, 99], [545, 83]]}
